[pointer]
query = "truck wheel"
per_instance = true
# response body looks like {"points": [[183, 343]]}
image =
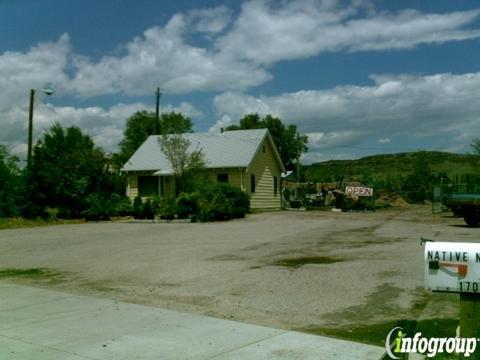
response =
{"points": [[472, 219]]}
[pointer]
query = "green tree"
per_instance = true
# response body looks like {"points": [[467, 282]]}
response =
{"points": [[475, 155], [66, 168], [186, 163], [418, 185], [475, 145], [9, 182], [290, 144], [142, 124]]}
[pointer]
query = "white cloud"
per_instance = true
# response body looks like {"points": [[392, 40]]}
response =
{"points": [[385, 141], [104, 125], [444, 106], [238, 57], [42, 65], [266, 33], [162, 57], [210, 21]]}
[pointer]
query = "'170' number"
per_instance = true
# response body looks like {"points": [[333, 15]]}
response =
{"points": [[468, 286]]}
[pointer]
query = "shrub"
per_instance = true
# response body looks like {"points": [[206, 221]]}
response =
{"points": [[217, 209], [122, 205], [239, 200], [222, 202], [168, 209], [147, 212], [98, 208], [156, 204], [137, 208], [187, 204], [52, 213]]}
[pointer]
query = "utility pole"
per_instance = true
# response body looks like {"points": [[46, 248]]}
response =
{"points": [[299, 151], [30, 128], [30, 122], [157, 115]]}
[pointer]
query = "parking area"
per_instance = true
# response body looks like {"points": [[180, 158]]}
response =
{"points": [[347, 275]]}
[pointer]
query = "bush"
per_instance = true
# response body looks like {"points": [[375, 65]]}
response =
{"points": [[122, 205], [168, 209], [219, 208], [156, 204], [222, 202], [137, 208], [209, 202], [239, 200], [147, 212], [187, 204], [98, 208], [52, 213]]}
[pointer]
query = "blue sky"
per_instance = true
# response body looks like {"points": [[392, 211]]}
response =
{"points": [[359, 77]]}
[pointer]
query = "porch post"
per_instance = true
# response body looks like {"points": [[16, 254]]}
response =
{"points": [[241, 180]]}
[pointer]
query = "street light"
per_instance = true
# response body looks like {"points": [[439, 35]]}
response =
{"points": [[261, 102], [30, 121]]}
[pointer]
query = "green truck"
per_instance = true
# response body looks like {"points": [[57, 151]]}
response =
{"points": [[466, 206]]}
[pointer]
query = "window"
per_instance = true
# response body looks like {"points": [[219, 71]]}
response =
{"points": [[147, 185], [222, 178], [275, 185], [264, 149], [252, 183]]}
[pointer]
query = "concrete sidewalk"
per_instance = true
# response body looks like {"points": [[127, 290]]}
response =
{"points": [[42, 324]]}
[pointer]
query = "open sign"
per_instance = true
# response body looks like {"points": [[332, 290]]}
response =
{"points": [[359, 191]]}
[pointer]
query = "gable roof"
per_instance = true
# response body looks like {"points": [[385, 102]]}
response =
{"points": [[221, 150]]}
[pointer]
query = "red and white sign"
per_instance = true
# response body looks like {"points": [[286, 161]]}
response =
{"points": [[358, 191]]}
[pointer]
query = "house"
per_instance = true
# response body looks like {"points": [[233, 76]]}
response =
{"points": [[247, 159]]}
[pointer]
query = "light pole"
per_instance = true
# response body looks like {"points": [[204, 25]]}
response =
{"points": [[30, 121], [261, 102]]}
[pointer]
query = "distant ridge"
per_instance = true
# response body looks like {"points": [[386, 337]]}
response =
{"points": [[385, 165]]}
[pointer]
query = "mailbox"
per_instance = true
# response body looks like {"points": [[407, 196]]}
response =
{"points": [[452, 267]]}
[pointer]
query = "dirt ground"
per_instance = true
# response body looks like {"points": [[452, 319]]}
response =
{"points": [[351, 275]]}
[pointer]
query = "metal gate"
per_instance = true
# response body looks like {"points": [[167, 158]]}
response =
{"points": [[437, 204]]}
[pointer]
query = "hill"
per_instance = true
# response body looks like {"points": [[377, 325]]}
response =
{"points": [[390, 166]]}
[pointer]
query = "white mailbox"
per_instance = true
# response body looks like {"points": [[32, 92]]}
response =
{"points": [[452, 267]]}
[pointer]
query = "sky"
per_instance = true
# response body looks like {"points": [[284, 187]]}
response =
{"points": [[358, 77]]}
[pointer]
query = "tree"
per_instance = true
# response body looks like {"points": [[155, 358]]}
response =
{"points": [[418, 185], [290, 144], [185, 162], [142, 124], [66, 168], [475, 145], [9, 183]]}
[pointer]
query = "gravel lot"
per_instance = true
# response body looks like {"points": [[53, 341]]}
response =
{"points": [[321, 272]]}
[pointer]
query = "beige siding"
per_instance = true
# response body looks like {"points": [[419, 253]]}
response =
{"points": [[233, 175], [264, 166], [132, 186]]}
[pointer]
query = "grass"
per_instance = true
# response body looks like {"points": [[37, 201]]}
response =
{"points": [[300, 261], [27, 273], [16, 223], [376, 334]]}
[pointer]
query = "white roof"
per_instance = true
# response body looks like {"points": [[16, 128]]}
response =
{"points": [[221, 150]]}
